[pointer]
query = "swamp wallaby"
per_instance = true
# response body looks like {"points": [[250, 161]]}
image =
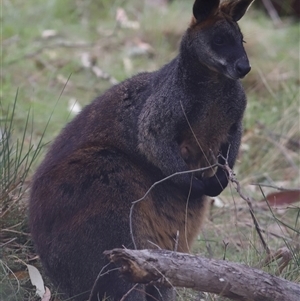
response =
{"points": [[188, 114]]}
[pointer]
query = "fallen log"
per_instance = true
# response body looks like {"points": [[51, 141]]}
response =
{"points": [[228, 279]]}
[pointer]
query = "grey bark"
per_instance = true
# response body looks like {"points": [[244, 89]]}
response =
{"points": [[228, 279]]}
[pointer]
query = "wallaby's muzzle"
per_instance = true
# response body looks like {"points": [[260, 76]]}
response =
{"points": [[236, 70], [242, 67]]}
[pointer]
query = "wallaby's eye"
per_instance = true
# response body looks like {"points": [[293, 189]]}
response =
{"points": [[219, 40]]}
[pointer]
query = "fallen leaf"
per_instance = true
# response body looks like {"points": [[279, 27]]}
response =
{"points": [[123, 21], [20, 275], [36, 280], [47, 294], [283, 198], [73, 106], [137, 47], [217, 202], [49, 33]]}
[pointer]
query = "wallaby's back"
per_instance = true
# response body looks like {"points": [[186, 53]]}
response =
{"points": [[148, 127]]}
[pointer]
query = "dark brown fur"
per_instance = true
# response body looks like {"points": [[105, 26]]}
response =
{"points": [[132, 136]]}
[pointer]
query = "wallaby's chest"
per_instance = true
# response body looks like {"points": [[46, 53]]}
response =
{"points": [[209, 128]]}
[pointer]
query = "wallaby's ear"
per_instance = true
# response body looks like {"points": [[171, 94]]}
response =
{"points": [[202, 9], [236, 9]]}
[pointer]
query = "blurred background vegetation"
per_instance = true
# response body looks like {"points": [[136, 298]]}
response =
{"points": [[59, 55]]}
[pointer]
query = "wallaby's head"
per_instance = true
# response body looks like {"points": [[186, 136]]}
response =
{"points": [[214, 38]]}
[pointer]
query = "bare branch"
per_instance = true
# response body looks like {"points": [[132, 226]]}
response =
{"points": [[233, 179], [228, 279]]}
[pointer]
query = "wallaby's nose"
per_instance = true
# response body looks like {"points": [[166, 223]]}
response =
{"points": [[242, 68]]}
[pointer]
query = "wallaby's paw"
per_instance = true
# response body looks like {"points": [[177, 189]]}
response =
{"points": [[214, 185], [196, 190]]}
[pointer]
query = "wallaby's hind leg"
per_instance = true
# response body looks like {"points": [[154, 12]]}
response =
{"points": [[114, 284], [77, 263], [95, 188]]}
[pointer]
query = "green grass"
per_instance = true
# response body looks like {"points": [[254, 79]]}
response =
{"points": [[45, 73]]}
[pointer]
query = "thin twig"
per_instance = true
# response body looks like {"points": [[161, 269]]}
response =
{"points": [[15, 232], [233, 179], [8, 242], [176, 241], [126, 295], [57, 44], [99, 276], [285, 255], [257, 227], [268, 232], [275, 187]]}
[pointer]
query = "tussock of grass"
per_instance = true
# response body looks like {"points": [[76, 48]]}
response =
{"points": [[39, 68], [17, 154]]}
